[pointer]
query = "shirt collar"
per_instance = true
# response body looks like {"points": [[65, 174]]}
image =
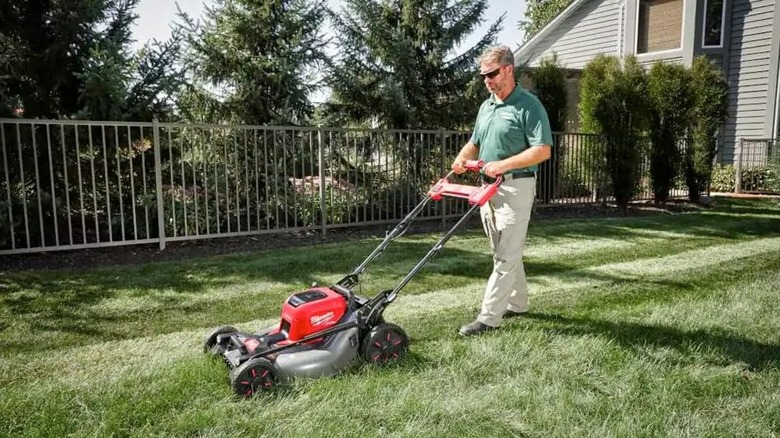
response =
{"points": [[509, 98]]}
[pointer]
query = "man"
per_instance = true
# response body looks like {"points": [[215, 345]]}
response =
{"points": [[511, 135]]}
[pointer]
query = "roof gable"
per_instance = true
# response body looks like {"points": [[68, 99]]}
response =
{"points": [[528, 46], [585, 29]]}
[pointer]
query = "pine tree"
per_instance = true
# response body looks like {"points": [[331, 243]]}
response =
{"points": [[397, 66], [72, 58], [254, 61]]}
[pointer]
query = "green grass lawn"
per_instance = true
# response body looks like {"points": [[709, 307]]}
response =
{"points": [[656, 326]]}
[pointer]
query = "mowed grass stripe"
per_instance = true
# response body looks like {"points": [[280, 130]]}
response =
{"points": [[691, 259]]}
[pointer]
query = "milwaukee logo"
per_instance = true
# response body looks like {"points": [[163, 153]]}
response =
{"points": [[321, 319]]}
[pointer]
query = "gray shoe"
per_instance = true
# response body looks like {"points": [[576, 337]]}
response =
{"points": [[475, 328]]}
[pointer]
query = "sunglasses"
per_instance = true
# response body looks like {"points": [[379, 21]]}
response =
{"points": [[491, 74]]}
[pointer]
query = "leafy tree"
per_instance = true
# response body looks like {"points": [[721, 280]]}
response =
{"points": [[710, 110], [549, 80], [670, 104], [397, 66], [613, 103], [540, 12], [253, 62]]}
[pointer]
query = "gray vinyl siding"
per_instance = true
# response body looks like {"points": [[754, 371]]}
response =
{"points": [[592, 29], [748, 72], [675, 58]]}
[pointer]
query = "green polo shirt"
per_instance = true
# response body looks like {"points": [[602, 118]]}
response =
{"points": [[510, 127]]}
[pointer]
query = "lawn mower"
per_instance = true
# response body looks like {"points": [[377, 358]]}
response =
{"points": [[325, 330]]}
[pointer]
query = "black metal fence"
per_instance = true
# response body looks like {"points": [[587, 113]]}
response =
{"points": [[757, 165], [76, 184]]}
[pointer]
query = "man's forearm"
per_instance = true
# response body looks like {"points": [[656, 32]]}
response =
{"points": [[469, 151], [529, 157]]}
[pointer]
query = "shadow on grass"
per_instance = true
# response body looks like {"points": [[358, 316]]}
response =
{"points": [[756, 355]]}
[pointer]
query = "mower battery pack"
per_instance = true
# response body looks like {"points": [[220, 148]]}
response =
{"points": [[311, 311]]}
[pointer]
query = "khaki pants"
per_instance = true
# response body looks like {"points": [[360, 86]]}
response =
{"points": [[505, 219]]}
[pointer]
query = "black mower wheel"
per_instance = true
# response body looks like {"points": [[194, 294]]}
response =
{"points": [[384, 344], [253, 376], [211, 346]]}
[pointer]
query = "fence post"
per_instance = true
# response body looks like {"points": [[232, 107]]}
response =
{"points": [[158, 183], [321, 166], [443, 167], [738, 167]]}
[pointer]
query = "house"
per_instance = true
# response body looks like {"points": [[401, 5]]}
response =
{"points": [[741, 36]]}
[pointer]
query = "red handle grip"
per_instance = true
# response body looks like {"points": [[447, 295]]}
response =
{"points": [[474, 165]]}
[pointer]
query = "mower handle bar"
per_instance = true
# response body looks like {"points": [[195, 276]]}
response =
{"points": [[474, 165], [470, 165], [345, 285]]}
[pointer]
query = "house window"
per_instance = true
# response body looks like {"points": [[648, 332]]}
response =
{"points": [[659, 26], [713, 23]]}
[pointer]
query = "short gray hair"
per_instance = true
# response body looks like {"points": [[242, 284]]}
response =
{"points": [[502, 55]]}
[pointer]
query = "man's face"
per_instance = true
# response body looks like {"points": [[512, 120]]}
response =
{"points": [[495, 76]]}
